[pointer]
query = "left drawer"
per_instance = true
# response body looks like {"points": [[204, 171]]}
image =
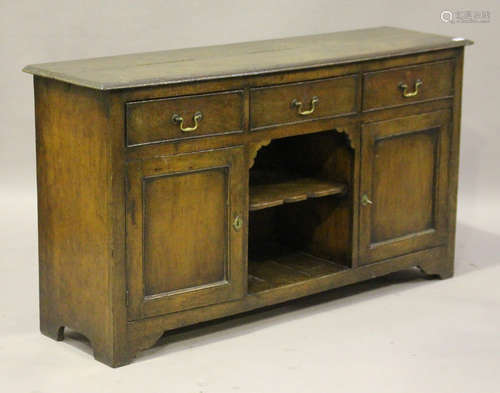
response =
{"points": [[169, 119]]}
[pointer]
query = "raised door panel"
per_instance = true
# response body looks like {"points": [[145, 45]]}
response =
{"points": [[194, 253], [403, 185], [183, 250]]}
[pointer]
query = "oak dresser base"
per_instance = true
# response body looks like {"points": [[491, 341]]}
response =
{"points": [[170, 195]]}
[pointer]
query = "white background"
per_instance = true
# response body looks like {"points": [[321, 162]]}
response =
{"points": [[397, 334]]}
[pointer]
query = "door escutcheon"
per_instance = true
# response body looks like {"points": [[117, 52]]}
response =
{"points": [[237, 223]]}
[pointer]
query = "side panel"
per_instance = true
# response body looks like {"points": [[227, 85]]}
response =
{"points": [[75, 214]]}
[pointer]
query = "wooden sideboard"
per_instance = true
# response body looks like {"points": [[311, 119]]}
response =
{"points": [[187, 185]]}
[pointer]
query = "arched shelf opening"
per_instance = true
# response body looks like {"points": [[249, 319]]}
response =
{"points": [[300, 224]]}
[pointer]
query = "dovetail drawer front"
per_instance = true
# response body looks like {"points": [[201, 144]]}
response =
{"points": [[407, 85], [168, 119], [296, 102]]}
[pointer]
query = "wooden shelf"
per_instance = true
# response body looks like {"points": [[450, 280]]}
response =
{"points": [[274, 194], [281, 267]]}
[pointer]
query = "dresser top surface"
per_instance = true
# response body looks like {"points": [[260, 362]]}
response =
{"points": [[242, 59]]}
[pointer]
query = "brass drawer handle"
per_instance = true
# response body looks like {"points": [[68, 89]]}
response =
{"points": [[406, 93], [180, 120], [298, 104]]}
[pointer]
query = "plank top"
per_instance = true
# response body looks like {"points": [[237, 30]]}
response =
{"points": [[242, 59]]}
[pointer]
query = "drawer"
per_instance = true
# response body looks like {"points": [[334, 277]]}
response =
{"points": [[303, 101], [407, 85], [169, 119]]}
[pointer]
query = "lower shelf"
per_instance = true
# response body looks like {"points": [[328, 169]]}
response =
{"points": [[272, 269]]}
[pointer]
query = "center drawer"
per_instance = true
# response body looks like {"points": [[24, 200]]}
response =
{"points": [[168, 119], [296, 102]]}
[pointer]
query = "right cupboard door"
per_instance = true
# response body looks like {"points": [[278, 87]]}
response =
{"points": [[404, 180]]}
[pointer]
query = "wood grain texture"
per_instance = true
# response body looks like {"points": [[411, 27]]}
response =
{"points": [[404, 186], [184, 223], [273, 105], [321, 226], [150, 121], [273, 265], [383, 88], [275, 194], [141, 236], [243, 59], [404, 173], [182, 248], [76, 200], [432, 257], [444, 268]]}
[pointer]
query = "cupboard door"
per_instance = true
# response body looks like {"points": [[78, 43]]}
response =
{"points": [[403, 185], [184, 231]]}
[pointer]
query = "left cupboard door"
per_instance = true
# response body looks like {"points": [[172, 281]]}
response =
{"points": [[186, 226]]}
